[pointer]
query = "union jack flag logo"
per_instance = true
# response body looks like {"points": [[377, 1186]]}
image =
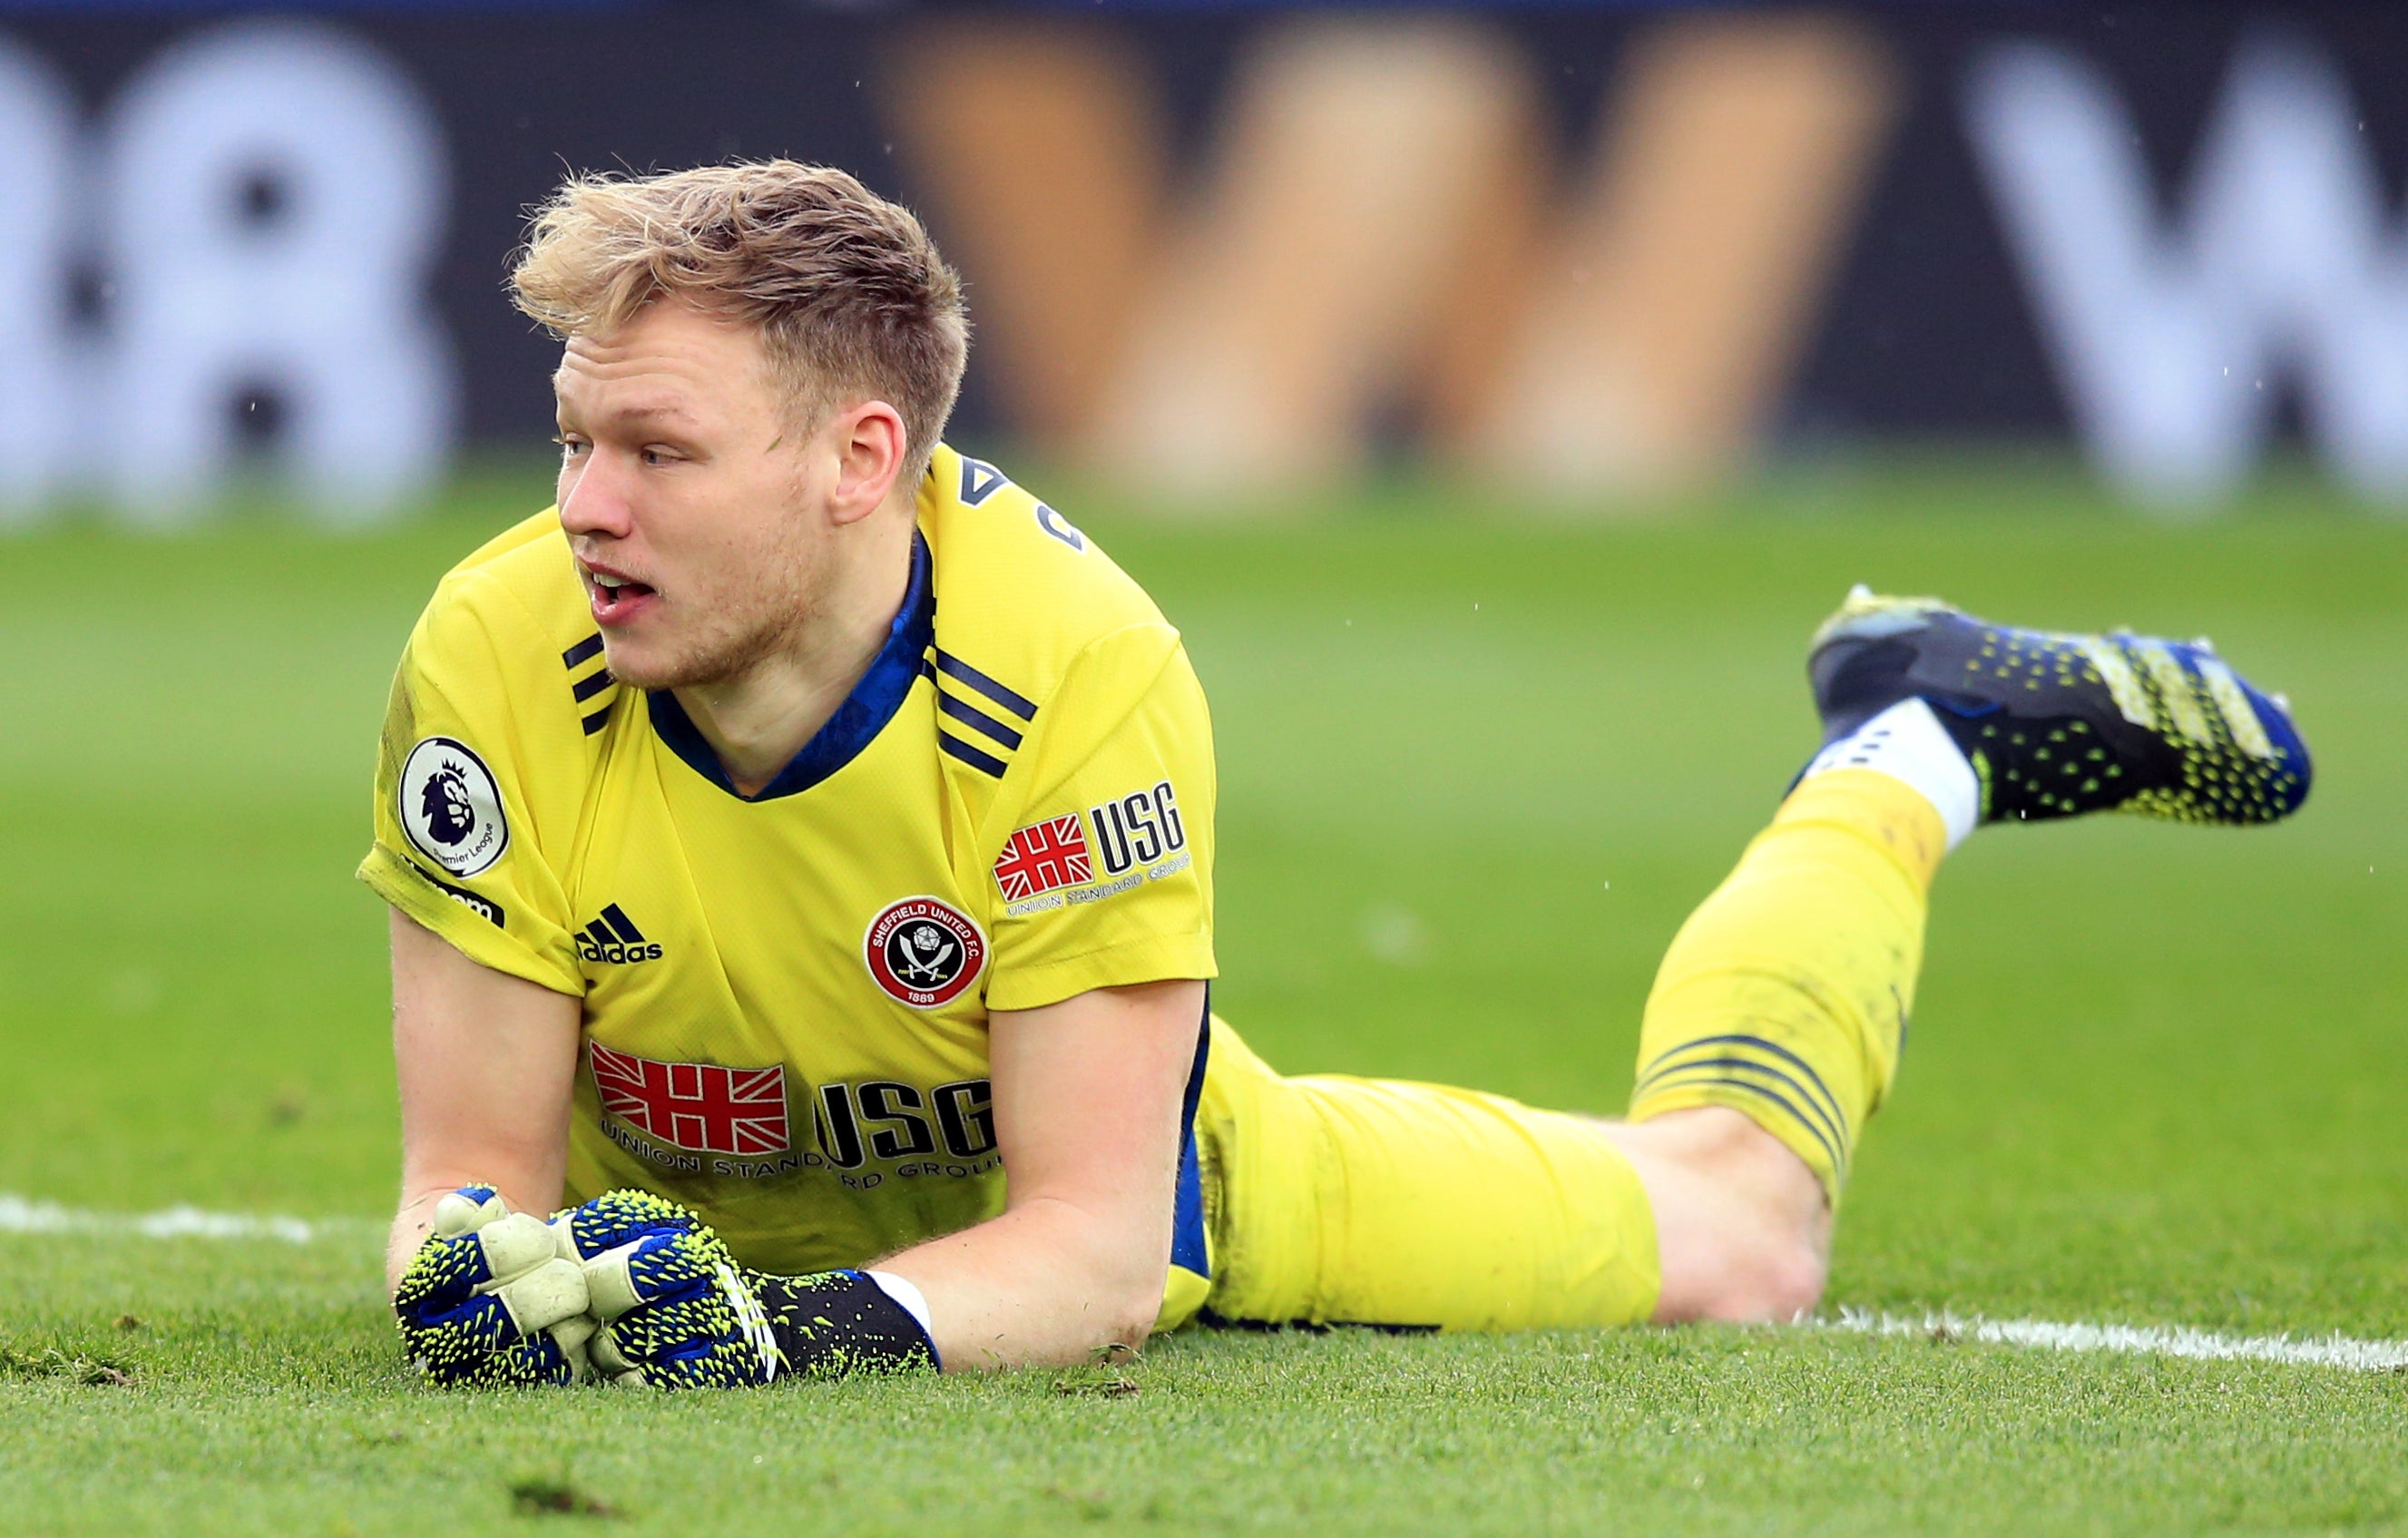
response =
{"points": [[1041, 857], [700, 1107]]}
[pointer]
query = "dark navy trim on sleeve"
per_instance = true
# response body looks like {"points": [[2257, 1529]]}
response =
{"points": [[979, 759], [1189, 1250], [976, 720], [953, 667]]}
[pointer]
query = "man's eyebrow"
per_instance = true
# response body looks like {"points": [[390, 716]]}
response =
{"points": [[652, 411], [641, 411]]}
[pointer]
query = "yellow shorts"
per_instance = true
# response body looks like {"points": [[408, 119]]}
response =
{"points": [[1342, 1200]]}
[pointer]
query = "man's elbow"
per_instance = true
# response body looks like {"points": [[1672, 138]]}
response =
{"points": [[1125, 1298], [1122, 1317], [1108, 1272]]}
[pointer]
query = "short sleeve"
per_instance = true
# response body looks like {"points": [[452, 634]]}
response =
{"points": [[1104, 875], [461, 833]]}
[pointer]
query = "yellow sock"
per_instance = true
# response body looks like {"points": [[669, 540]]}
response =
{"points": [[1785, 996]]}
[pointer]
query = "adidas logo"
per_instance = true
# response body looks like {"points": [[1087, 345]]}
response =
{"points": [[614, 940]]}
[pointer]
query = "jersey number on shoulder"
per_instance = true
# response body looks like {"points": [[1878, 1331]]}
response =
{"points": [[981, 480]]}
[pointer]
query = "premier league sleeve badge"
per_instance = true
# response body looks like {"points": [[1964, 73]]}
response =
{"points": [[450, 806]]}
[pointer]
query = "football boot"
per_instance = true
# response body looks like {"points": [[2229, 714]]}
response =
{"points": [[2057, 725]]}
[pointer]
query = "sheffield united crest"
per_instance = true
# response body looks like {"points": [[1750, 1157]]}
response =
{"points": [[923, 952]]}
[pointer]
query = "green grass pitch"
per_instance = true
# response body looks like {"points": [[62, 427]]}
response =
{"points": [[1474, 772]]}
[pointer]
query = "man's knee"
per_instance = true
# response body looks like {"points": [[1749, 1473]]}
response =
{"points": [[1742, 1230], [1758, 1281]]}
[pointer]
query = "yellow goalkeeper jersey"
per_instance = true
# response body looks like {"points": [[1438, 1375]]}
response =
{"points": [[786, 998]]}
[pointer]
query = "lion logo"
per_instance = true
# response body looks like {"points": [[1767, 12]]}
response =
{"points": [[448, 806], [444, 801]]}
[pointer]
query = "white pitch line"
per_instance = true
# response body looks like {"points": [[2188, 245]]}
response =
{"points": [[20, 1215], [2136, 1340]]}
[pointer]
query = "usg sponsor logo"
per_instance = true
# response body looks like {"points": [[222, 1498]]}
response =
{"points": [[1139, 828], [951, 1126], [449, 807], [1137, 837], [614, 940], [923, 952]]}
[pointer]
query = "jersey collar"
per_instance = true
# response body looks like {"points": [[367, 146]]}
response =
{"points": [[855, 724]]}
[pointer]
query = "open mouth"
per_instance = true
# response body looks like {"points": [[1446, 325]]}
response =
{"points": [[616, 597]]}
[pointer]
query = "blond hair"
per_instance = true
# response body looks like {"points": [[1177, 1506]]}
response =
{"points": [[847, 293]]}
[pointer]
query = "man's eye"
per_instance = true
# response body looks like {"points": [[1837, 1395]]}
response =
{"points": [[656, 456], [570, 446]]}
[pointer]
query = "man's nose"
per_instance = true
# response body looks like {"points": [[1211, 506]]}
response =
{"points": [[593, 498]]}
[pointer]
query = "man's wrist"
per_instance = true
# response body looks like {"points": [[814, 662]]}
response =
{"points": [[906, 1292], [839, 1323]]}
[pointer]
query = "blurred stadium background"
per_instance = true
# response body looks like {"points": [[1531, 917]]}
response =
{"points": [[1496, 395], [1594, 256]]}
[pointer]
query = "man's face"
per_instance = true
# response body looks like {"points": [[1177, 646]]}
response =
{"points": [[688, 496]]}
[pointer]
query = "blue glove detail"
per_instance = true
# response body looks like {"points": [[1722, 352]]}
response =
{"points": [[488, 1299], [676, 1311]]}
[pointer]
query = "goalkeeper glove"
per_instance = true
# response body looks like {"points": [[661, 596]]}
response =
{"points": [[491, 1298], [675, 1311]]}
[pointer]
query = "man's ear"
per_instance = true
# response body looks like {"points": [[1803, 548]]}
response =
{"points": [[870, 446]]}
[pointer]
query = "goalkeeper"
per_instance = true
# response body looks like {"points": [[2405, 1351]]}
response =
{"points": [[799, 843]]}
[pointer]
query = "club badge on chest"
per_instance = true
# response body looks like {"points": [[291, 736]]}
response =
{"points": [[923, 952]]}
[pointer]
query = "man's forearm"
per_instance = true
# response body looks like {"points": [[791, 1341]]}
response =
{"points": [[485, 1062], [1048, 1282]]}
